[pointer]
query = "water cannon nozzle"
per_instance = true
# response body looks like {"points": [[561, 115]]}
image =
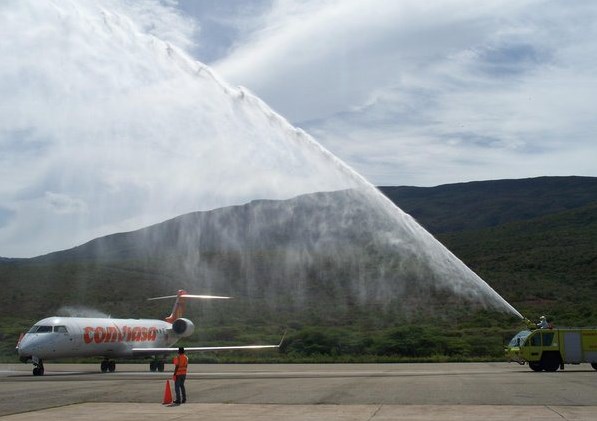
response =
{"points": [[529, 324]]}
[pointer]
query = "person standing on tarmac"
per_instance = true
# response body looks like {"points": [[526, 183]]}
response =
{"points": [[180, 374]]}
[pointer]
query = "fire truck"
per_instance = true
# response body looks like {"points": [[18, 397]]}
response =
{"points": [[549, 349]]}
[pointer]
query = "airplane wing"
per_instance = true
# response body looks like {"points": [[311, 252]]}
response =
{"points": [[154, 351], [185, 295]]}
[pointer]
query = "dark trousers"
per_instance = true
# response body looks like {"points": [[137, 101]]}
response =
{"points": [[179, 387]]}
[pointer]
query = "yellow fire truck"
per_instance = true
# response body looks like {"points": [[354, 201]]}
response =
{"points": [[549, 349]]}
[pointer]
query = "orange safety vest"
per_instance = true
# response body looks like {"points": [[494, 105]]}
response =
{"points": [[182, 362]]}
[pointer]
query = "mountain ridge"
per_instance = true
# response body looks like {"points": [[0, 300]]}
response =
{"points": [[479, 204]]}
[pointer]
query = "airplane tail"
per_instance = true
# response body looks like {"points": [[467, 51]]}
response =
{"points": [[180, 303], [179, 307]]}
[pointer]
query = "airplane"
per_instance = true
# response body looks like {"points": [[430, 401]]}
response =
{"points": [[66, 337]]}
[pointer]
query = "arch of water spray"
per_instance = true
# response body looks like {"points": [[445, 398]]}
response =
{"points": [[119, 130]]}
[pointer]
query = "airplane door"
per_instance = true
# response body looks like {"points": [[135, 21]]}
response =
{"points": [[67, 339], [75, 337]]}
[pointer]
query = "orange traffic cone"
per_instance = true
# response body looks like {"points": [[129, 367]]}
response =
{"points": [[167, 394]]}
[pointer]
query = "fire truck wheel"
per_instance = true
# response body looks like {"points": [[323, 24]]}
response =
{"points": [[550, 361], [536, 365]]}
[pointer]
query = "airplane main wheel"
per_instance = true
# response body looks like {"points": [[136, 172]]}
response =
{"points": [[594, 365], [160, 366], [112, 366], [104, 366], [153, 365]]}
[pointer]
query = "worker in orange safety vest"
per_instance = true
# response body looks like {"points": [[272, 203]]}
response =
{"points": [[181, 363]]}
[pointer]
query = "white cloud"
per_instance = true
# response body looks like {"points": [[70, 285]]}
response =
{"points": [[322, 56], [63, 203], [407, 91]]}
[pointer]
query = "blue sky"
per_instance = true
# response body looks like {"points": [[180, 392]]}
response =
{"points": [[419, 93]]}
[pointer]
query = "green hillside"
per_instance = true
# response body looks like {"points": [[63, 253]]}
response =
{"points": [[481, 204], [542, 265], [532, 240]]}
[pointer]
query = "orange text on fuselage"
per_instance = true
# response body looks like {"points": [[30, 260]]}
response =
{"points": [[115, 334]]}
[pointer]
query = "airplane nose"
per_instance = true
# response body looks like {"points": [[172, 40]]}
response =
{"points": [[21, 345], [25, 346], [36, 345]]}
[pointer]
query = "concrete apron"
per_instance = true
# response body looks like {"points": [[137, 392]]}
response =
{"points": [[148, 412]]}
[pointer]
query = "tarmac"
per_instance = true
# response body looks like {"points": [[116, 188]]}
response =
{"points": [[225, 412], [473, 391]]}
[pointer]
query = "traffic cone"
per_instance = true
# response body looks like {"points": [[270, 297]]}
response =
{"points": [[167, 394]]}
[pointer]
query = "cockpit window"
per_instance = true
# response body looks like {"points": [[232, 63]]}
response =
{"points": [[60, 329], [44, 329], [40, 329]]}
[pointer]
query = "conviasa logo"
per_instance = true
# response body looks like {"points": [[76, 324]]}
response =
{"points": [[115, 334]]}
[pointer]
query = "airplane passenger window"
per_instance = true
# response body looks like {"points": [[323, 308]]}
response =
{"points": [[60, 329]]}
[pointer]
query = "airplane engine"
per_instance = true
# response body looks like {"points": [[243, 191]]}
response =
{"points": [[183, 327]]}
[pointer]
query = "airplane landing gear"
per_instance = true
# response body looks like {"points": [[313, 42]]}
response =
{"points": [[38, 369], [156, 365], [108, 365]]}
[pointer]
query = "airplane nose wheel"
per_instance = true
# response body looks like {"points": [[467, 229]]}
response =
{"points": [[38, 370]]}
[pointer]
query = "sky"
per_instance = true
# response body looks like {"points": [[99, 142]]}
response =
{"points": [[110, 122], [417, 92]]}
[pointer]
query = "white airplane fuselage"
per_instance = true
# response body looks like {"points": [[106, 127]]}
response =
{"points": [[66, 337]]}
